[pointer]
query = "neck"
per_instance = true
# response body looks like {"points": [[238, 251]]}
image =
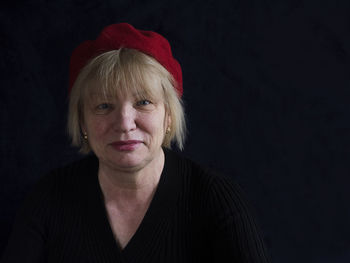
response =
{"points": [[126, 187]]}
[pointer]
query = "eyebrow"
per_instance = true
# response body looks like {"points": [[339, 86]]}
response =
{"points": [[140, 94]]}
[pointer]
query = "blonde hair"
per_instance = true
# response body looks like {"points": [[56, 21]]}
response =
{"points": [[118, 72]]}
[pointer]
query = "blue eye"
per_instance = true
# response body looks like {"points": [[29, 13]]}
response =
{"points": [[103, 106], [143, 102]]}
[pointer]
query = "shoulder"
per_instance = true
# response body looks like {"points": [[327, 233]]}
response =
{"points": [[215, 189], [202, 175], [81, 167], [60, 184], [70, 173], [219, 194]]}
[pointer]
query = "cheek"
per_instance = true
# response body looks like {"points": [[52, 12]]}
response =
{"points": [[154, 125], [151, 124], [97, 127]]}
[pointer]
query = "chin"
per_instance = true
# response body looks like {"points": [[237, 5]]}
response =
{"points": [[130, 161]]}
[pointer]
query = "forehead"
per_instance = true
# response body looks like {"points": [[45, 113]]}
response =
{"points": [[148, 86]]}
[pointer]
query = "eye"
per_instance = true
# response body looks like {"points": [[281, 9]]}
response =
{"points": [[103, 106], [143, 103]]}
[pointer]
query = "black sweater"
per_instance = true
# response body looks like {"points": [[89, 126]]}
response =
{"points": [[195, 216]]}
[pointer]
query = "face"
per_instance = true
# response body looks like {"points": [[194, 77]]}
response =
{"points": [[124, 132]]}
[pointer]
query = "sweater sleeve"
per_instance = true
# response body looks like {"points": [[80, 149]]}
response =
{"points": [[28, 238], [235, 236]]}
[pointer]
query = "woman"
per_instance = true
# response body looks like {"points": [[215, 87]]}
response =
{"points": [[132, 200]]}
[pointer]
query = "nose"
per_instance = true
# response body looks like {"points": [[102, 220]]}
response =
{"points": [[124, 118]]}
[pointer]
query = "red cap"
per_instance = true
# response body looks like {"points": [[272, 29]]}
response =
{"points": [[125, 35]]}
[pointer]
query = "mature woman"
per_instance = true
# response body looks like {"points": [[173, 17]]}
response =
{"points": [[132, 199]]}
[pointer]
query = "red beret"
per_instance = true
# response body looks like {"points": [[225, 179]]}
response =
{"points": [[125, 35]]}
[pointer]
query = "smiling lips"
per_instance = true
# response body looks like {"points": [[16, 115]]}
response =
{"points": [[129, 145]]}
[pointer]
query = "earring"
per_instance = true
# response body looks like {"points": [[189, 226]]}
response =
{"points": [[85, 136], [168, 130]]}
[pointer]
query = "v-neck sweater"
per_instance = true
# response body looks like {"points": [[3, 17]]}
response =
{"points": [[195, 215]]}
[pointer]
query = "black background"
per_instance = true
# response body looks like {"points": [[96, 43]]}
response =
{"points": [[266, 87]]}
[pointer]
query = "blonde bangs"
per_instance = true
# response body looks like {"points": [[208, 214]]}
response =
{"points": [[121, 72]]}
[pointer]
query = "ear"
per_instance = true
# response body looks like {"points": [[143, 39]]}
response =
{"points": [[83, 127], [168, 120], [82, 124]]}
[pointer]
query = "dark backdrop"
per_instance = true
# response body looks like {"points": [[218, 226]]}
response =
{"points": [[266, 86]]}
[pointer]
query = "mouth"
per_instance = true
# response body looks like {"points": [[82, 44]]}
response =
{"points": [[128, 145]]}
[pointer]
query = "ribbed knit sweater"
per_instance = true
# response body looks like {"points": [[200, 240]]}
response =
{"points": [[194, 216]]}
